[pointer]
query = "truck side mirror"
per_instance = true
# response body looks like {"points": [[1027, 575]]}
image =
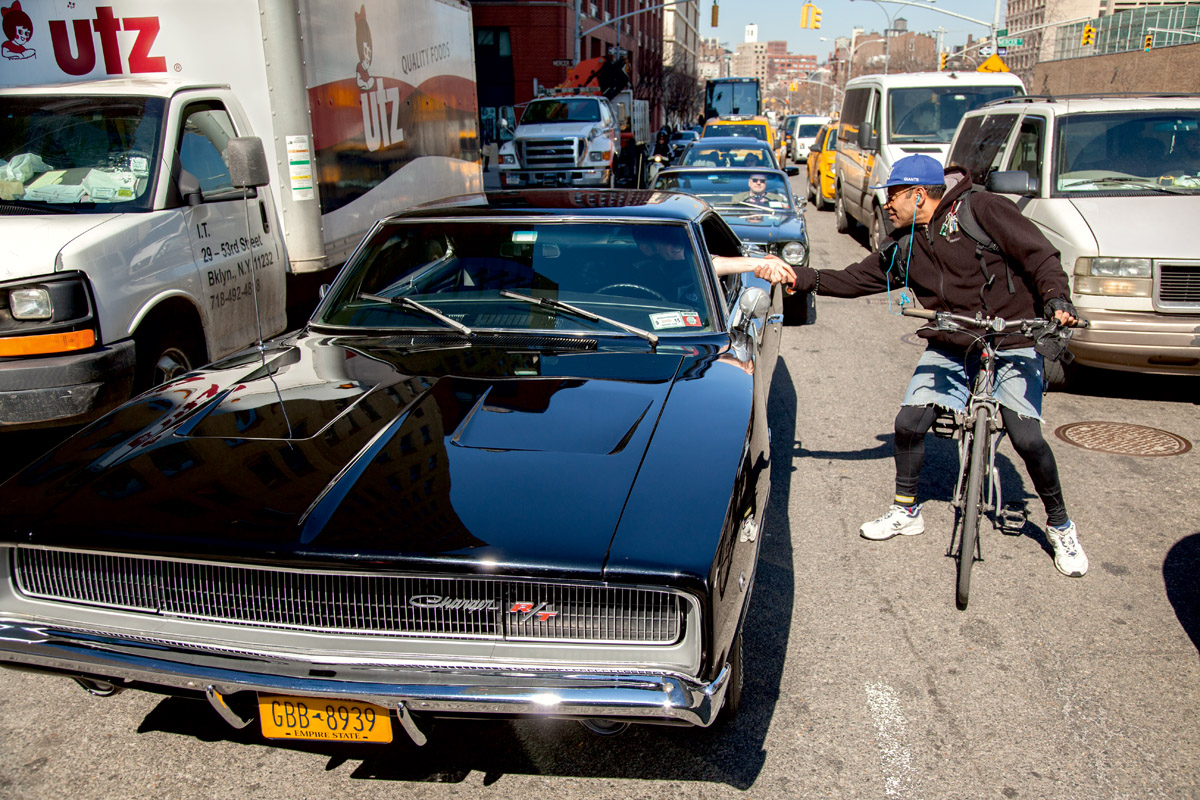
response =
{"points": [[1013, 182], [189, 188], [247, 162]]}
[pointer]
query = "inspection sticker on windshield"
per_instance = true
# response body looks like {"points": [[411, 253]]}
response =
{"points": [[675, 319]]}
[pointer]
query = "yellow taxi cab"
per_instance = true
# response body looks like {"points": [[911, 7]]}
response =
{"points": [[820, 166], [754, 126]]}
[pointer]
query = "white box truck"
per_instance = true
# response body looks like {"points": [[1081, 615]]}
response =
{"points": [[127, 253]]}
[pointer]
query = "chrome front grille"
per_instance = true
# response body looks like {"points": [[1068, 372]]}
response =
{"points": [[1179, 287], [550, 153], [352, 603]]}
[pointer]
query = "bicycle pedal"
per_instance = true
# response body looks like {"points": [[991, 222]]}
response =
{"points": [[945, 425], [1012, 519]]}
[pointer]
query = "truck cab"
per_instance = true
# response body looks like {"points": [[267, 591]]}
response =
{"points": [[563, 139]]}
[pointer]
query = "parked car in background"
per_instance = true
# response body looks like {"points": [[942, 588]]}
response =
{"points": [[887, 117], [765, 215], [1114, 183], [802, 134], [516, 464], [820, 167], [730, 151], [755, 127]]}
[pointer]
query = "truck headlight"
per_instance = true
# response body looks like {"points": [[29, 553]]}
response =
{"points": [[599, 155], [1114, 277], [30, 303], [508, 159], [794, 253]]}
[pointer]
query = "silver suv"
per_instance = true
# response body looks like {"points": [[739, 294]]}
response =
{"points": [[1114, 183]]}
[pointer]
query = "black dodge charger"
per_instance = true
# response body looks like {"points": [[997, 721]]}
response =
{"points": [[515, 464]]}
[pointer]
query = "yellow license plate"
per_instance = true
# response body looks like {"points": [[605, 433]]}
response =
{"points": [[284, 717]]}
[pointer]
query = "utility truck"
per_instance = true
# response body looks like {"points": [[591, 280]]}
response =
{"points": [[128, 254]]}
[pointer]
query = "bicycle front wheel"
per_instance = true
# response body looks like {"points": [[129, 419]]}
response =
{"points": [[972, 507]]}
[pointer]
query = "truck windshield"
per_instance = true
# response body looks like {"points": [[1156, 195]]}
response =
{"points": [[79, 153], [733, 97], [1129, 151], [931, 113], [569, 110]]}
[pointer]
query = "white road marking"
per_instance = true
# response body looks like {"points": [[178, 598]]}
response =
{"points": [[891, 730]]}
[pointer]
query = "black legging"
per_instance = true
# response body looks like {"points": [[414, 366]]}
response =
{"points": [[913, 422]]}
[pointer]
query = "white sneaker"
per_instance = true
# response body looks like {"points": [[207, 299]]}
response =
{"points": [[898, 521], [1069, 557]]}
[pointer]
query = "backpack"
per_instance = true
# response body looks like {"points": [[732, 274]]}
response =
{"points": [[983, 243]]}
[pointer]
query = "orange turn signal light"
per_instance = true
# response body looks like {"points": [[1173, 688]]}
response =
{"points": [[47, 343]]}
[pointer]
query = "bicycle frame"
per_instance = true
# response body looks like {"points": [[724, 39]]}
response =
{"points": [[981, 402]]}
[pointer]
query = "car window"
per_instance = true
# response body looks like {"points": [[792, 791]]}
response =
{"points": [[206, 132], [1027, 150], [731, 193], [980, 145], [854, 111], [1123, 151], [645, 275]]}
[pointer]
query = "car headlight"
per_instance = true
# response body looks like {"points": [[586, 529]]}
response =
{"points": [[30, 303], [794, 253], [1114, 277]]}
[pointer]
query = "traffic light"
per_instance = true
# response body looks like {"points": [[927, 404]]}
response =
{"points": [[816, 17], [942, 60], [806, 14], [716, 8], [1089, 35], [1148, 43]]}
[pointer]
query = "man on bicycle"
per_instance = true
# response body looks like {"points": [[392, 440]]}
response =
{"points": [[943, 268]]}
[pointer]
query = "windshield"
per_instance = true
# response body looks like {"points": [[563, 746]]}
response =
{"points": [[79, 153], [734, 193], [740, 129], [931, 113], [1129, 151], [747, 155], [808, 131], [727, 99], [580, 109], [643, 275]]}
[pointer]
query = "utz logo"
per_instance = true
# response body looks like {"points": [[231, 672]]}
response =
{"points": [[380, 105], [74, 41]]}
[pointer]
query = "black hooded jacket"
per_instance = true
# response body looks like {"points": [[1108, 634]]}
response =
{"points": [[944, 273]]}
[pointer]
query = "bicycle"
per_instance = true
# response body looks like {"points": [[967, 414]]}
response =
{"points": [[980, 428]]}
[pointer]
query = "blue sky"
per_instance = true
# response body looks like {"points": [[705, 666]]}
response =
{"points": [[780, 19]]}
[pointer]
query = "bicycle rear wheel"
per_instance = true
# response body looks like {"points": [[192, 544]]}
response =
{"points": [[972, 507]]}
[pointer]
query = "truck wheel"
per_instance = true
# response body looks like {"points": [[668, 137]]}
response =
{"points": [[842, 220], [878, 229], [164, 354]]}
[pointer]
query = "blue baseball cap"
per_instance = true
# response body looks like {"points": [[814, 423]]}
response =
{"points": [[915, 170]]}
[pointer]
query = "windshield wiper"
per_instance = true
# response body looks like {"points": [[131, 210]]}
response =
{"points": [[37, 205], [1142, 183], [559, 305], [413, 305]]}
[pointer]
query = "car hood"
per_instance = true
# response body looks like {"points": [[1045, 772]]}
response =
{"points": [[1141, 227], [542, 130], [336, 451], [29, 243]]}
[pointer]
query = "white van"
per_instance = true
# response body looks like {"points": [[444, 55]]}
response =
{"points": [[129, 255], [1114, 183], [888, 117]]}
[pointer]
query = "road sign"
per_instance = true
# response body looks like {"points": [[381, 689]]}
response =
{"points": [[993, 64], [986, 50], [1001, 51], [1010, 42], [1002, 32], [563, 62]]}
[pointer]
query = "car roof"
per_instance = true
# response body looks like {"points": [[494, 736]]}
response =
{"points": [[1076, 103], [921, 79], [591, 204], [729, 141]]}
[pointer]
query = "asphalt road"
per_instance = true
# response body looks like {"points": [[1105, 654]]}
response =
{"points": [[863, 679]]}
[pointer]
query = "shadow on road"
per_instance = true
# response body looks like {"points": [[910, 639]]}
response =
{"points": [[1093, 382], [1181, 577], [731, 752]]}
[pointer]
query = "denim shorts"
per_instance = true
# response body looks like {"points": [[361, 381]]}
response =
{"points": [[942, 378]]}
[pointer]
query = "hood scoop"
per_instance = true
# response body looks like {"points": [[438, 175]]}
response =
{"points": [[571, 416]]}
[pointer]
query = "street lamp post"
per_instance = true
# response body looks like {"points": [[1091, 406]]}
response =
{"points": [[579, 34]]}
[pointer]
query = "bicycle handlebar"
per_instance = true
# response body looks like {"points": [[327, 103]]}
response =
{"points": [[997, 324]]}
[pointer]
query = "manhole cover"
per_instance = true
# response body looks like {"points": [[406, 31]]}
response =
{"points": [[912, 338], [1123, 439]]}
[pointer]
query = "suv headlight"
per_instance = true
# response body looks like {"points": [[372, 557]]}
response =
{"points": [[30, 303], [794, 253], [598, 155], [1114, 277]]}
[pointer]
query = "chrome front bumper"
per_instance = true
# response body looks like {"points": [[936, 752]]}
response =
{"points": [[436, 689]]}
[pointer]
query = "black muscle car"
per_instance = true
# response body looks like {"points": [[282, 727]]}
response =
{"points": [[766, 216], [515, 464]]}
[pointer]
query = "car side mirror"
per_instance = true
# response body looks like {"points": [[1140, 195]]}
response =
{"points": [[247, 162], [792, 170], [867, 139], [752, 304], [1013, 182]]}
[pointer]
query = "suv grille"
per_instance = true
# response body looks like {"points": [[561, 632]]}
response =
{"points": [[1179, 287], [358, 604], [549, 153]]}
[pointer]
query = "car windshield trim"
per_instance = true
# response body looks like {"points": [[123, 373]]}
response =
{"points": [[558, 305], [409, 303]]}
